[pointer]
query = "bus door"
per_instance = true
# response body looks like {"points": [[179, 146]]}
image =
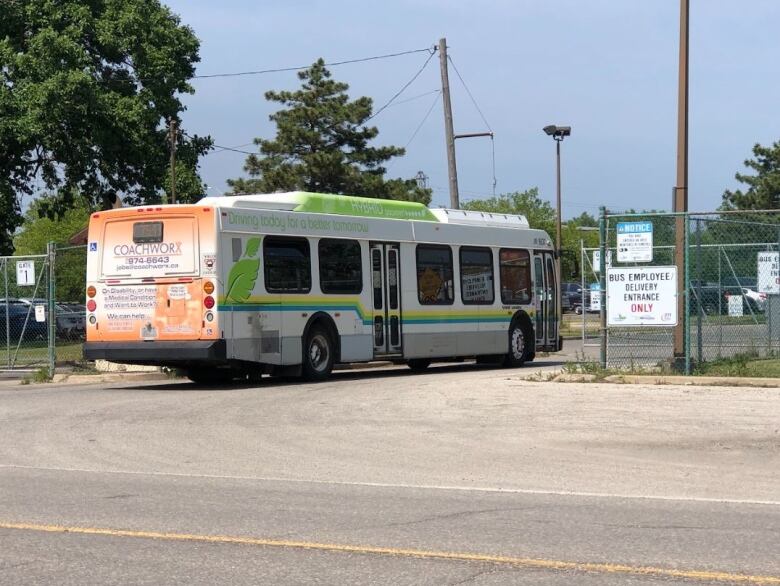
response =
{"points": [[386, 298], [546, 299]]}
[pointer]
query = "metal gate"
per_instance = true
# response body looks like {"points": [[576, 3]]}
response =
{"points": [[27, 313]]}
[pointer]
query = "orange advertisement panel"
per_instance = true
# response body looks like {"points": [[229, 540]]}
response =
{"points": [[149, 271]]}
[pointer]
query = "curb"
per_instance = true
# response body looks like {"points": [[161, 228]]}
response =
{"points": [[638, 379], [81, 379]]}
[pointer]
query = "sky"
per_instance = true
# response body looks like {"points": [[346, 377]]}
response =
{"points": [[607, 68]]}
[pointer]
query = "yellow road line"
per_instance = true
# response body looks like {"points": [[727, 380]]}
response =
{"points": [[544, 564]]}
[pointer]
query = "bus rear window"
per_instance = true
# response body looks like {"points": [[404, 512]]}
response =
{"points": [[158, 248], [144, 232]]}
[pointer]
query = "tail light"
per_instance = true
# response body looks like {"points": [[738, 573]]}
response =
{"points": [[91, 305], [91, 291], [208, 287], [208, 302]]}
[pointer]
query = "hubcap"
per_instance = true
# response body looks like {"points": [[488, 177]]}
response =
{"points": [[518, 343], [318, 352]]}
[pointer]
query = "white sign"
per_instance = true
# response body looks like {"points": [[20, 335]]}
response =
{"points": [[595, 297], [735, 306], [40, 313], [477, 286], [635, 241], [597, 260], [768, 272], [642, 296], [25, 272]]}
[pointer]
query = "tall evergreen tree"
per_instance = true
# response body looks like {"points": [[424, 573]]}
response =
{"points": [[322, 145], [763, 188]]}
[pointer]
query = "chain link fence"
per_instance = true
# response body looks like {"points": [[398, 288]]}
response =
{"points": [[723, 300], [42, 312]]}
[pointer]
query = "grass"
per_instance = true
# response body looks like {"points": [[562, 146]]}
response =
{"points": [[743, 365], [37, 352]]}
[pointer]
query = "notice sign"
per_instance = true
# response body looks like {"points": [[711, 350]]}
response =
{"points": [[642, 296], [768, 272], [635, 241], [595, 297]]}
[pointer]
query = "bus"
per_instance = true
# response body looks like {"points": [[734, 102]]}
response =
{"points": [[294, 283]]}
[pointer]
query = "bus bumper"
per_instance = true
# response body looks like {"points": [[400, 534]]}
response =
{"points": [[162, 353]]}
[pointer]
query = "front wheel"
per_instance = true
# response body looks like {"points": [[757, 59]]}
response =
{"points": [[318, 355], [520, 345]]}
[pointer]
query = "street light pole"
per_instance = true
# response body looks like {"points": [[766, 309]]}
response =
{"points": [[558, 133]]}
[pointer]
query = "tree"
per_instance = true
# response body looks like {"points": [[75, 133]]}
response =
{"points": [[322, 145], [541, 215], [763, 191], [86, 90], [38, 230]]}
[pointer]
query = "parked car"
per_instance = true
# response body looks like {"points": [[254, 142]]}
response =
{"points": [[573, 298], [714, 297], [20, 323], [71, 319]]}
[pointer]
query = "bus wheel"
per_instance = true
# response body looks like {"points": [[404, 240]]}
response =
{"points": [[317, 355], [418, 364], [210, 376], [520, 345]]}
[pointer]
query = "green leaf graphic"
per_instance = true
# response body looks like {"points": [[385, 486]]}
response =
{"points": [[243, 275], [252, 246], [242, 279]]}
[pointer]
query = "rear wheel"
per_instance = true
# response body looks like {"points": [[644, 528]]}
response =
{"points": [[318, 355], [520, 345], [418, 364]]}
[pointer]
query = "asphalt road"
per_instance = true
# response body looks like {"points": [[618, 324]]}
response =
{"points": [[461, 476]]}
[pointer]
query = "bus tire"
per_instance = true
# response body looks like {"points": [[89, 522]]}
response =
{"points": [[521, 342], [418, 364], [318, 354]]}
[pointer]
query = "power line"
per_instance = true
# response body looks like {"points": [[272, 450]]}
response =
{"points": [[406, 85], [474, 101], [333, 64], [468, 91], [428, 113]]}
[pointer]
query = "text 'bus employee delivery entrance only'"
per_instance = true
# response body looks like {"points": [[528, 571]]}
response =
{"points": [[642, 296]]}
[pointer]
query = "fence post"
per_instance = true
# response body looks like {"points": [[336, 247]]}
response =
{"points": [[51, 249], [603, 283], [687, 298], [699, 341], [7, 319]]}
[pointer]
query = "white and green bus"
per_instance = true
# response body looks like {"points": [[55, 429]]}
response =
{"points": [[293, 283]]}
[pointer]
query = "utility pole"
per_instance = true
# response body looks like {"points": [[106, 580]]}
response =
{"points": [[173, 137], [448, 129], [681, 188]]}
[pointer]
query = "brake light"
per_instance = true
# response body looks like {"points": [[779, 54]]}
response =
{"points": [[208, 301], [208, 287], [91, 305], [91, 291]]}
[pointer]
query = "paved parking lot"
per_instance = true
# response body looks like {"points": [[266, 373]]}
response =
{"points": [[461, 475]]}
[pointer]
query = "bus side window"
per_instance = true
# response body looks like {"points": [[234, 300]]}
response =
{"points": [[435, 279], [515, 266], [287, 264]]}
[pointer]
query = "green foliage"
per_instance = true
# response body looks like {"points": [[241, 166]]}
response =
{"points": [[541, 215], [86, 89], [243, 274], [37, 231], [763, 188], [322, 145]]}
